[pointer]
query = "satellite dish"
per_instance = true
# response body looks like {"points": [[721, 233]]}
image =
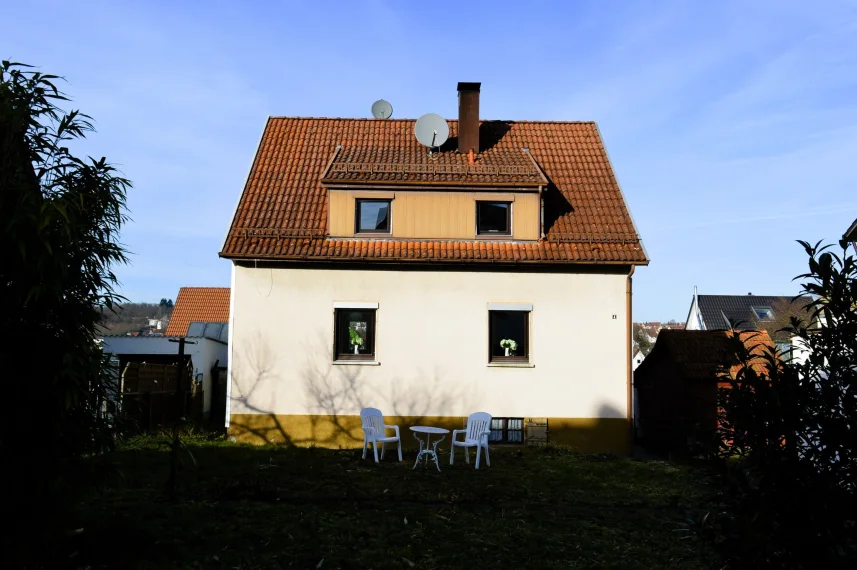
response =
{"points": [[382, 109], [432, 130]]}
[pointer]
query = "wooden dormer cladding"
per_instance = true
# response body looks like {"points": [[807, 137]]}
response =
{"points": [[421, 214], [433, 196]]}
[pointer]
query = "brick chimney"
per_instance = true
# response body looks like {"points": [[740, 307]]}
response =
{"points": [[468, 117]]}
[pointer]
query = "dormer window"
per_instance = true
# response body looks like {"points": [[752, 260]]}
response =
{"points": [[372, 216], [493, 218], [763, 313]]}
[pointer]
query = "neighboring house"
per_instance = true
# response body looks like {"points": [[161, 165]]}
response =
{"points": [[155, 324], [678, 381], [201, 314], [746, 312], [369, 271]]}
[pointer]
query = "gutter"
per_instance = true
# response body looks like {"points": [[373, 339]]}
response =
{"points": [[630, 372], [230, 367], [430, 261]]}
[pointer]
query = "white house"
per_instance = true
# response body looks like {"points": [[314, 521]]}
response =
{"points": [[201, 315], [204, 354], [491, 273]]}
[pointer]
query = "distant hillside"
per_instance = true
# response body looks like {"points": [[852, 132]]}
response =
{"points": [[139, 318], [645, 334]]}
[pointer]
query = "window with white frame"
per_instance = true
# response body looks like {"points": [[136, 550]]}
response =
{"points": [[354, 331], [507, 430], [509, 333]]}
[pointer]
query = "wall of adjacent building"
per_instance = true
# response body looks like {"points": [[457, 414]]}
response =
{"points": [[203, 354], [431, 352]]}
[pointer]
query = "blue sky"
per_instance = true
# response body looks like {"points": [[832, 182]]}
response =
{"points": [[732, 126]]}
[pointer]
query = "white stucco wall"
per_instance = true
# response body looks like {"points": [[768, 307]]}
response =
{"points": [[431, 344], [203, 354]]}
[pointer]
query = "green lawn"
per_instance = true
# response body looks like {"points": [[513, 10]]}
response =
{"points": [[273, 507]]}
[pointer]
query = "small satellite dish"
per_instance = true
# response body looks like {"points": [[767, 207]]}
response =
{"points": [[382, 109], [432, 130]]}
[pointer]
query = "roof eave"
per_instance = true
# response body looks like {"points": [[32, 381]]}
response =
{"points": [[429, 261]]}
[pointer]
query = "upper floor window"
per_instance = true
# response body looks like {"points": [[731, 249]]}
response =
{"points": [[372, 216], [493, 218]]}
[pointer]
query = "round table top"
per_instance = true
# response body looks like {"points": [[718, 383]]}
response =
{"points": [[428, 429]]}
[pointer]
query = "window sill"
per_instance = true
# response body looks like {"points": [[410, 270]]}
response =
{"points": [[356, 363], [511, 365]]}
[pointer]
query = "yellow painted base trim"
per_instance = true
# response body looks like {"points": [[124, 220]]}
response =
{"points": [[590, 435]]}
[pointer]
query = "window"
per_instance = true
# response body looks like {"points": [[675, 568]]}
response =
{"points": [[763, 313], [507, 430], [784, 349], [508, 335], [372, 216], [493, 218], [354, 334]]}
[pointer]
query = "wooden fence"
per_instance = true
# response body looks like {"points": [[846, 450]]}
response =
{"points": [[150, 392]]}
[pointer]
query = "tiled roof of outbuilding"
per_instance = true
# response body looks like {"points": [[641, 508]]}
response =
{"points": [[198, 304], [701, 355]]}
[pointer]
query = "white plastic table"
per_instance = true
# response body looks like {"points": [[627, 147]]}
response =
{"points": [[428, 431]]}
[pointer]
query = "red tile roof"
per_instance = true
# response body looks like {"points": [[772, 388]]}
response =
{"points": [[198, 304], [701, 354], [282, 213], [381, 166]]}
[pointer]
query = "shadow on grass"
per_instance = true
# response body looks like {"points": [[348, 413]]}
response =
{"points": [[275, 507]]}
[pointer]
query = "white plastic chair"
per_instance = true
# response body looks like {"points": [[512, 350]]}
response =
{"points": [[375, 432], [475, 435]]}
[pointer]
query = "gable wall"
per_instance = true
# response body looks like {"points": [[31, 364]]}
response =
{"points": [[432, 349]]}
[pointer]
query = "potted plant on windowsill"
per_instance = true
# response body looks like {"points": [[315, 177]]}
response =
{"points": [[356, 339], [510, 345]]}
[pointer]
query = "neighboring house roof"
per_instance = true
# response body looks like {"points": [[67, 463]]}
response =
{"points": [[700, 355], [722, 312], [851, 232], [282, 213], [198, 304]]}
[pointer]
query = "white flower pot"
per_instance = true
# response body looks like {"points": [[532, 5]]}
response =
{"points": [[355, 349], [507, 351]]}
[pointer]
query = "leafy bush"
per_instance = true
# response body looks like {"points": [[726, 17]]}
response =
{"points": [[60, 217], [788, 459]]}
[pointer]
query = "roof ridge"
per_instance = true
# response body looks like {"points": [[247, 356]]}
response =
{"points": [[743, 296], [409, 120]]}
